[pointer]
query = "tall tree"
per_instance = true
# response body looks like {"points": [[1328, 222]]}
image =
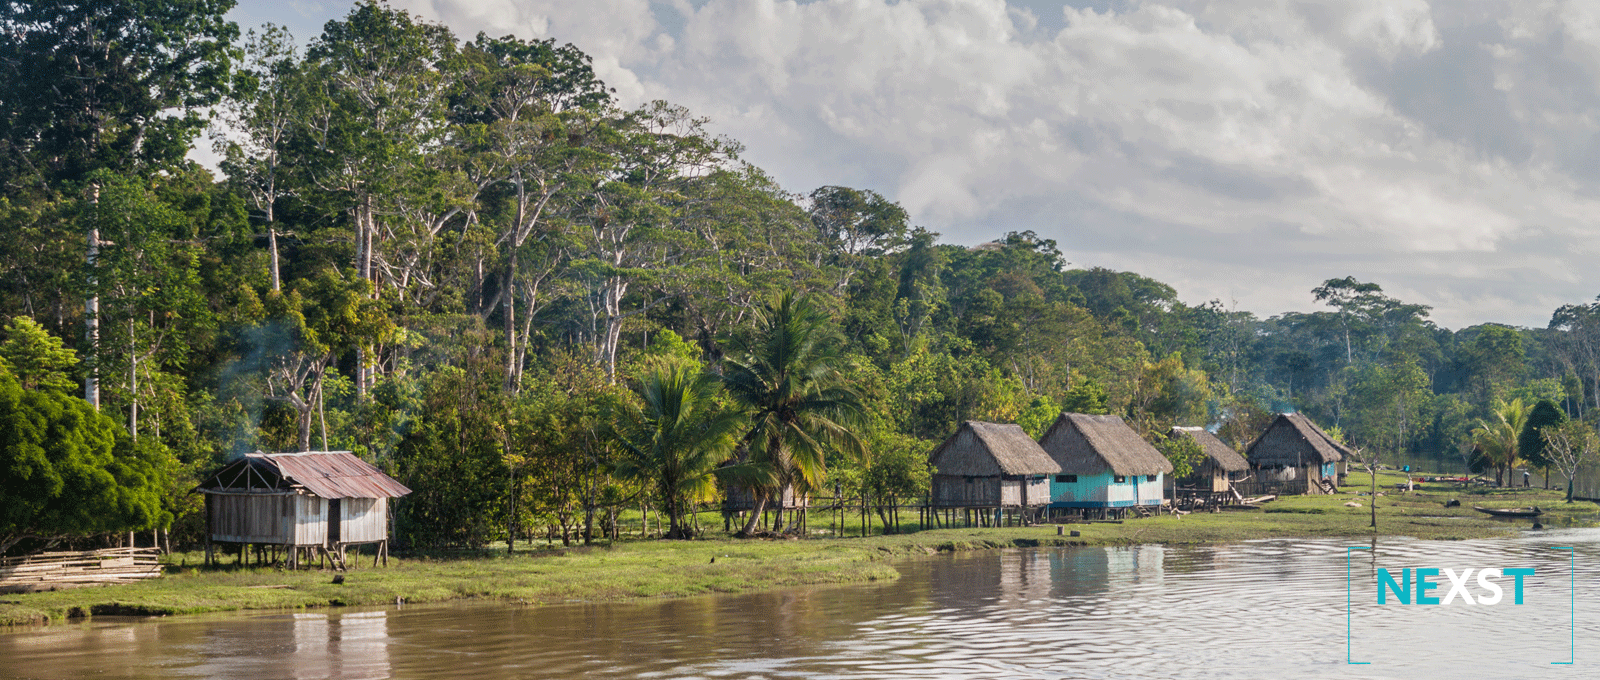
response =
{"points": [[373, 113], [1531, 442], [105, 86], [526, 112], [66, 470], [115, 85], [1497, 438], [675, 437], [1577, 341], [1570, 446], [629, 230], [787, 377], [262, 116]]}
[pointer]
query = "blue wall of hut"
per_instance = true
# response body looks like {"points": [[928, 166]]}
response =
{"points": [[1103, 491]]}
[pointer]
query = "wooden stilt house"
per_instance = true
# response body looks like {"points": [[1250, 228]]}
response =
{"points": [[1104, 464], [1221, 466], [993, 467], [317, 502], [1296, 455]]}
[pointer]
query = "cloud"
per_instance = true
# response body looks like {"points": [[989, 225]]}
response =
{"points": [[1238, 149]]}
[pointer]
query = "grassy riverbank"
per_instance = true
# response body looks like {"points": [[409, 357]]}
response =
{"points": [[645, 569]]}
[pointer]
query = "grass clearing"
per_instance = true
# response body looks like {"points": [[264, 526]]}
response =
{"points": [[633, 569]]}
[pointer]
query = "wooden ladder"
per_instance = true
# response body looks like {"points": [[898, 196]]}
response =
{"points": [[335, 558]]}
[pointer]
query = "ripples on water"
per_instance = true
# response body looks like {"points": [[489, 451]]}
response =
{"points": [[1264, 609]]}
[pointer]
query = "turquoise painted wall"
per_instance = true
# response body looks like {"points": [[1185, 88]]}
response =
{"points": [[1103, 491]]}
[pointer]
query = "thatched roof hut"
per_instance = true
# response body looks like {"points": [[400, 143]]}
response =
{"points": [[989, 465], [1219, 455], [981, 449], [1092, 445], [1293, 441]]}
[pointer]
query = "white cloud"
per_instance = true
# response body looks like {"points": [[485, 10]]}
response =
{"points": [[1240, 149]]}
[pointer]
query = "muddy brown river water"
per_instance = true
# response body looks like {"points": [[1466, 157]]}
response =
{"points": [[1263, 609]]}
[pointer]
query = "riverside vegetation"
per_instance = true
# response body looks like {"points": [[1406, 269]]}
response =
{"points": [[652, 569], [546, 312]]}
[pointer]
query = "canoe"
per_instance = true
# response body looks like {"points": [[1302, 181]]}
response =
{"points": [[1510, 512]]}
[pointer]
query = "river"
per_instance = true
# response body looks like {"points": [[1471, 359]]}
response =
{"points": [[1260, 609]]}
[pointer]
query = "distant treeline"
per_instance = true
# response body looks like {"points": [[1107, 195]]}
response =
{"points": [[460, 259]]}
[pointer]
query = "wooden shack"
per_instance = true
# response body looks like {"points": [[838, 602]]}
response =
{"points": [[993, 468], [317, 502], [1221, 466], [1105, 465], [1296, 456]]}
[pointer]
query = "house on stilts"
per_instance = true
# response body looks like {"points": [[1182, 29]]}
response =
{"points": [[1106, 467], [312, 504], [992, 473], [1213, 478], [1294, 456]]}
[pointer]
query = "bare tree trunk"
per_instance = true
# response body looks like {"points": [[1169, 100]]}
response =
{"points": [[91, 309], [510, 307], [611, 303], [321, 416], [133, 386], [272, 245]]}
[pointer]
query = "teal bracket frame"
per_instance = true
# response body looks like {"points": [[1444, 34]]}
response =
{"points": [[1347, 606], [1572, 601]]}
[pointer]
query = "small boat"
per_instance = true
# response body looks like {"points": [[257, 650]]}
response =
{"points": [[1510, 512]]}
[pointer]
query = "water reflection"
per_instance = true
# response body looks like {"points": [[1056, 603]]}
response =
{"points": [[1258, 609]]}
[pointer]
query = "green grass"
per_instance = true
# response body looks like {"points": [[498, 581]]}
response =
{"points": [[634, 568]]}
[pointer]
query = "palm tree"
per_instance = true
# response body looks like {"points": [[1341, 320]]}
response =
{"points": [[786, 376], [674, 438], [1497, 438]]}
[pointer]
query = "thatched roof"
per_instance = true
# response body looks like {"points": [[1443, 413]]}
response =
{"points": [[328, 474], [1292, 440], [1090, 445], [991, 450], [1219, 454]]}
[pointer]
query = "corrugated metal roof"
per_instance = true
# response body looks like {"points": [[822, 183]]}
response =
{"points": [[334, 474]]}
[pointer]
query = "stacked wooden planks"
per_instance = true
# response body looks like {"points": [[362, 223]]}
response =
{"points": [[53, 570]]}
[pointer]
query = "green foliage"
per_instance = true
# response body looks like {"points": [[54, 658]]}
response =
{"points": [[674, 438], [107, 85], [1497, 439], [1183, 452], [1531, 441], [452, 460], [37, 358], [66, 470], [1040, 415], [787, 378], [1086, 397], [670, 347], [1170, 394]]}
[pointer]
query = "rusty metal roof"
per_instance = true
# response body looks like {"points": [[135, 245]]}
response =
{"points": [[333, 474]]}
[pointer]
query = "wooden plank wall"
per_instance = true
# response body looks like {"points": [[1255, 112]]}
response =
{"points": [[311, 522], [365, 520], [254, 518], [953, 491]]}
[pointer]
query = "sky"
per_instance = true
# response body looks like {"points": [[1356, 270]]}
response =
{"points": [[1237, 150]]}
